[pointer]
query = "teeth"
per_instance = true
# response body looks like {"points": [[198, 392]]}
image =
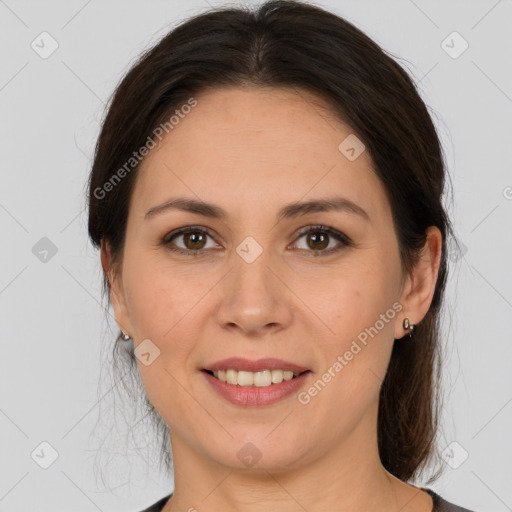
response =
{"points": [[260, 379]]}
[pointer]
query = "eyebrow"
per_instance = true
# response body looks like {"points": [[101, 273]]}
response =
{"points": [[289, 211]]}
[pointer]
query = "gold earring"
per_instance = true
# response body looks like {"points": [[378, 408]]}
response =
{"points": [[409, 327]]}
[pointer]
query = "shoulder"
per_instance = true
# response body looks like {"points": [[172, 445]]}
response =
{"points": [[158, 506], [441, 505]]}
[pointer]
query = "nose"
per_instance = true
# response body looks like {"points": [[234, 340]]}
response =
{"points": [[255, 297]]}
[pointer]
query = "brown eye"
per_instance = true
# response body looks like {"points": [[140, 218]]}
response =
{"points": [[318, 240], [194, 240]]}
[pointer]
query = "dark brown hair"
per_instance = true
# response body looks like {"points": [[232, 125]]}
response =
{"points": [[300, 46]]}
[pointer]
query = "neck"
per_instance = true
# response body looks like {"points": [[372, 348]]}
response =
{"points": [[349, 478]]}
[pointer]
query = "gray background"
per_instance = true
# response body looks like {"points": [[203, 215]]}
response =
{"points": [[52, 326]]}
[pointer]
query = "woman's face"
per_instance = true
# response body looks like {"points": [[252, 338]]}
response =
{"points": [[252, 285]]}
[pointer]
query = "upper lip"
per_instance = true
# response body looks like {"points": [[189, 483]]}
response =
{"points": [[257, 365]]}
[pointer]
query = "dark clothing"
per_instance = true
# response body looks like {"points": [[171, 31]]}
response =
{"points": [[440, 505], [158, 506]]}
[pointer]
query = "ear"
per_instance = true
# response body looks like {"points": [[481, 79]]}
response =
{"points": [[420, 284], [117, 296]]}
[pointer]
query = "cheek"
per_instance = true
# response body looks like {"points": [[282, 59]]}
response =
{"points": [[161, 302], [358, 304], [166, 304], [353, 360], [350, 297], [160, 295]]}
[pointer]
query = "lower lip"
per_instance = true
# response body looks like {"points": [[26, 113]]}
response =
{"points": [[255, 396]]}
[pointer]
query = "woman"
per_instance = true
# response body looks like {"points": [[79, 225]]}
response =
{"points": [[267, 198]]}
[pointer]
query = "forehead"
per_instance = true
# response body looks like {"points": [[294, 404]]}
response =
{"points": [[258, 145]]}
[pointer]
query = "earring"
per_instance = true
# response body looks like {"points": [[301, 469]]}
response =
{"points": [[124, 336], [409, 327]]}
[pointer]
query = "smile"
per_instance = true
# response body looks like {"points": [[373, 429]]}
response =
{"points": [[260, 379]]}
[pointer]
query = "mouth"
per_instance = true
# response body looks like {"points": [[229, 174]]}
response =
{"points": [[262, 387], [261, 379]]}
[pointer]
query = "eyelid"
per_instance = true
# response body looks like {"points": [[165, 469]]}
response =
{"points": [[186, 229], [320, 227]]}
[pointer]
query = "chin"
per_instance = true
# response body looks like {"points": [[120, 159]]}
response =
{"points": [[257, 452]]}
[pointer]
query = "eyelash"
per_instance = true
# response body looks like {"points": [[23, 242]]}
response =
{"points": [[345, 240]]}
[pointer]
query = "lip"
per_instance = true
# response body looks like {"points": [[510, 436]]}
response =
{"points": [[252, 396], [258, 365]]}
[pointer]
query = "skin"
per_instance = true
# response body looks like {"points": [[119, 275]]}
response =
{"points": [[251, 151]]}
